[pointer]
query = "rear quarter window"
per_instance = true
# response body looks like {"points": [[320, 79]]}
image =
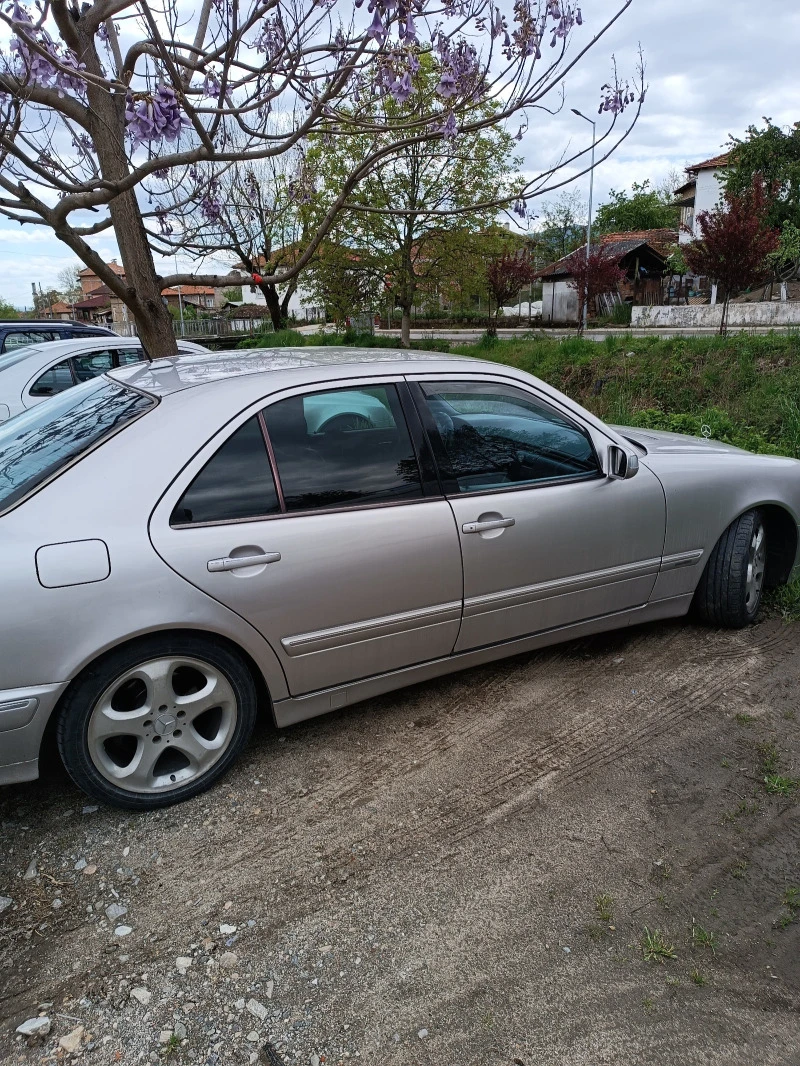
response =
{"points": [[40, 443]]}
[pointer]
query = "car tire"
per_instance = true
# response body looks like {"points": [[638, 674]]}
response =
{"points": [[730, 590], [157, 721]]}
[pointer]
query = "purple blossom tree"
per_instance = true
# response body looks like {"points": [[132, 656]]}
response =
{"points": [[120, 114]]}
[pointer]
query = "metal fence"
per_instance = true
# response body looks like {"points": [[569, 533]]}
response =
{"points": [[197, 328]]}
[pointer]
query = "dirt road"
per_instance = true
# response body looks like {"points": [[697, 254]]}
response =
{"points": [[461, 873]]}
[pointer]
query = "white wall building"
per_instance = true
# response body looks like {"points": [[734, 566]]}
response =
{"points": [[301, 304], [702, 191]]}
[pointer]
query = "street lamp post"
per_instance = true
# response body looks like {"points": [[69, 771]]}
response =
{"points": [[589, 223]]}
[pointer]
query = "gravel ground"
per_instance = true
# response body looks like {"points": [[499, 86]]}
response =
{"points": [[460, 873]]}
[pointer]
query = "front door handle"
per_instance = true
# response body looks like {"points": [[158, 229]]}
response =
{"points": [[216, 566], [491, 523]]}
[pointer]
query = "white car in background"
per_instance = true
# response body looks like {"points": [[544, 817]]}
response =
{"points": [[36, 372]]}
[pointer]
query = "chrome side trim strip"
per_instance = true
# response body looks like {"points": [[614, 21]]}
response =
{"points": [[336, 636], [495, 601], [297, 708], [673, 562]]}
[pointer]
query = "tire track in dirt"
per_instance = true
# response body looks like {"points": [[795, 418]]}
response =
{"points": [[467, 730]]}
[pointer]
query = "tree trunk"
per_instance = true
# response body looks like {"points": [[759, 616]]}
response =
{"points": [[273, 302], [723, 326], [143, 298], [492, 327], [405, 328]]}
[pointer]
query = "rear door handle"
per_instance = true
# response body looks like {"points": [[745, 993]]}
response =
{"points": [[492, 523], [237, 562]]}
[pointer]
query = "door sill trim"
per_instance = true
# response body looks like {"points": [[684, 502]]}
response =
{"points": [[297, 708]]}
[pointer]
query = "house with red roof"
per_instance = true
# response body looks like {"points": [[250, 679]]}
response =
{"points": [[701, 191]]}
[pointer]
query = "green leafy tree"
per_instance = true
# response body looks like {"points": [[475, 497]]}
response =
{"points": [[343, 282], [644, 207], [7, 310], [562, 226], [401, 217], [773, 153], [69, 283]]}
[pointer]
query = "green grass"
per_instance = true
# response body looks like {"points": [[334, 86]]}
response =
{"points": [[655, 947], [697, 978], [742, 387], [604, 905], [791, 901], [703, 938], [781, 784], [775, 783], [786, 601]]}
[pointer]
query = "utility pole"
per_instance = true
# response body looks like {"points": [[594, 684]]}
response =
{"points": [[589, 222]]}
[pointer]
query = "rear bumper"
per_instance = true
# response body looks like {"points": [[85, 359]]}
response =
{"points": [[24, 714]]}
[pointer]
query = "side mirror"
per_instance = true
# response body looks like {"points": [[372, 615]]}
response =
{"points": [[622, 464]]}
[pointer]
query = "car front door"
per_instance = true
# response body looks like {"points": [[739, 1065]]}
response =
{"points": [[320, 521], [547, 538]]}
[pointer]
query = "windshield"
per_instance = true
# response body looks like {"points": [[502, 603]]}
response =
{"points": [[38, 443]]}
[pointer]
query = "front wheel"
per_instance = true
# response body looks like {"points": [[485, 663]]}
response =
{"points": [[157, 722], [730, 590]]}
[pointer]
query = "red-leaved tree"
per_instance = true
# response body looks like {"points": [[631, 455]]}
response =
{"points": [[598, 273], [506, 274], [736, 240]]}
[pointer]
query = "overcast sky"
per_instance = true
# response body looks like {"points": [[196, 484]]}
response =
{"points": [[713, 67]]}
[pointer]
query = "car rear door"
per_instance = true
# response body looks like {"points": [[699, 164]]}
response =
{"points": [[319, 520], [547, 538]]}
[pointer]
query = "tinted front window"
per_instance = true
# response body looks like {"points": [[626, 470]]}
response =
{"points": [[56, 379], [496, 436], [38, 443], [343, 449], [235, 483]]}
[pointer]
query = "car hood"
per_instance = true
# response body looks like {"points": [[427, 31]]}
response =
{"points": [[658, 440]]}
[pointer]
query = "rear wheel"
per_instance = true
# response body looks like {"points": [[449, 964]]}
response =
{"points": [[157, 722], [730, 590]]}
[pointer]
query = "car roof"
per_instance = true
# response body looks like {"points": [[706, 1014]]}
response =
{"points": [[64, 323], [72, 344], [164, 376]]}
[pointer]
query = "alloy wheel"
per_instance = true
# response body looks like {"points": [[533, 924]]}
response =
{"points": [[162, 724]]}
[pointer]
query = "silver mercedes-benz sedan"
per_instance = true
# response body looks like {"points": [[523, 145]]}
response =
{"points": [[189, 542]]}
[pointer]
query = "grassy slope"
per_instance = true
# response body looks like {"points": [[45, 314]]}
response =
{"points": [[745, 388]]}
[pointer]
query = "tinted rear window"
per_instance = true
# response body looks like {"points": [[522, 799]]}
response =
{"points": [[235, 483], [38, 443]]}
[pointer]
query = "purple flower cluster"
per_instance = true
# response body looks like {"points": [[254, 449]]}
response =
{"points": [[153, 116], [461, 71], [384, 12], [272, 39], [211, 206], [564, 17], [396, 73], [301, 186], [83, 144], [164, 223], [34, 67], [449, 127], [615, 98]]}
